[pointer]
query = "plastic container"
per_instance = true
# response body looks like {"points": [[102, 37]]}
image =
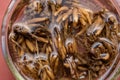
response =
{"points": [[15, 10]]}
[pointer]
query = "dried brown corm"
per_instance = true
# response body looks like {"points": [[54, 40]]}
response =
{"points": [[63, 40]]}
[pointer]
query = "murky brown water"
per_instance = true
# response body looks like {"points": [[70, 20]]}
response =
{"points": [[60, 40]]}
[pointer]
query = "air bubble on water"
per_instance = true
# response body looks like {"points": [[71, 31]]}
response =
{"points": [[81, 77], [70, 59], [68, 40], [76, 60], [41, 56], [26, 57], [51, 28], [54, 54], [22, 26]]}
